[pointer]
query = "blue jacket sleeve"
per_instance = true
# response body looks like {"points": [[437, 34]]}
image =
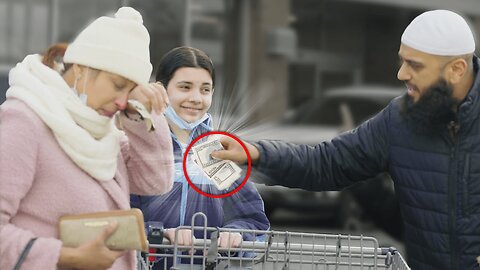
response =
{"points": [[353, 156], [135, 201]]}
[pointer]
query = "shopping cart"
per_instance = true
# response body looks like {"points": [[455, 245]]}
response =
{"points": [[276, 250]]}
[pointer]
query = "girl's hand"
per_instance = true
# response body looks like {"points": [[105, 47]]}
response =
{"points": [[184, 238], [229, 239]]}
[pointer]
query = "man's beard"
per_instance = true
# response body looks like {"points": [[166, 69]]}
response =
{"points": [[432, 112]]}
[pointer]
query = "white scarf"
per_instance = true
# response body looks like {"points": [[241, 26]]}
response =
{"points": [[91, 140]]}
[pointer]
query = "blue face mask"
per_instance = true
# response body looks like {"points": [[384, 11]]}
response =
{"points": [[179, 122], [82, 96]]}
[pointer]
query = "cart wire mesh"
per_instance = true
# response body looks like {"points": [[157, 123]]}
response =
{"points": [[272, 250]]}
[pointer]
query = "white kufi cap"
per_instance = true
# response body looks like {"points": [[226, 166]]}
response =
{"points": [[439, 32]]}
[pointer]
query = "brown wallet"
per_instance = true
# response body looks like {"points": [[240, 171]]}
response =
{"points": [[129, 235]]}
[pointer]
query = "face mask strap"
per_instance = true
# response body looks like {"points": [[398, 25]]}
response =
{"points": [[83, 97], [75, 84]]}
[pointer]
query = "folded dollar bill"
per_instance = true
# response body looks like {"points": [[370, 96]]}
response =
{"points": [[223, 173], [145, 115]]}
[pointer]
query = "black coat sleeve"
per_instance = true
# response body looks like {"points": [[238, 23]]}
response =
{"points": [[353, 156]]}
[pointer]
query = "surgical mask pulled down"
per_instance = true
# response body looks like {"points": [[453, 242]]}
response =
{"points": [[82, 96], [179, 122]]}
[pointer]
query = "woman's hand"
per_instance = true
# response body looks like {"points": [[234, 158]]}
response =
{"points": [[229, 239], [93, 254], [153, 97], [235, 152]]}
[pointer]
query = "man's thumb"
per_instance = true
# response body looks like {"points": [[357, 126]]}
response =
{"points": [[220, 154]]}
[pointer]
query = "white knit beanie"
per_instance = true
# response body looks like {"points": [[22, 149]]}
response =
{"points": [[119, 45], [439, 32]]}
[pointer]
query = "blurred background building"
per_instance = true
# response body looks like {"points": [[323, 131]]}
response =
{"points": [[299, 48], [278, 54]]}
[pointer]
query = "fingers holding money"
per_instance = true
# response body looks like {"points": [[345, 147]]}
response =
{"points": [[139, 93], [234, 151], [137, 106], [221, 173], [153, 97]]}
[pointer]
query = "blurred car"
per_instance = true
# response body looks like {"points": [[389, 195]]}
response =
{"points": [[322, 119]]}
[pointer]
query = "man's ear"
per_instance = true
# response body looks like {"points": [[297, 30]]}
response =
{"points": [[456, 70]]}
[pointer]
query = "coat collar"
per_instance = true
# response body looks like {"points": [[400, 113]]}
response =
{"points": [[469, 109], [204, 127]]}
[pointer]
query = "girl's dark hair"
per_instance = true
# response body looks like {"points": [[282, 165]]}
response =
{"points": [[183, 57]]}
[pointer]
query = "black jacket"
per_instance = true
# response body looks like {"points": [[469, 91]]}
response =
{"points": [[437, 178]]}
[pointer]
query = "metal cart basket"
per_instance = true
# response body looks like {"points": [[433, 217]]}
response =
{"points": [[274, 250]]}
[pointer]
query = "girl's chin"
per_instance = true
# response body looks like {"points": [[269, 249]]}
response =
{"points": [[189, 118]]}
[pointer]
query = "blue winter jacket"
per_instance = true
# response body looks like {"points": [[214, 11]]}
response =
{"points": [[437, 178], [242, 210]]}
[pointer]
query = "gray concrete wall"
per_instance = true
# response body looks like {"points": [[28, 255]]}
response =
{"points": [[268, 73]]}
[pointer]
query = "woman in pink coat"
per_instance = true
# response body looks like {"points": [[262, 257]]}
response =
{"points": [[61, 151]]}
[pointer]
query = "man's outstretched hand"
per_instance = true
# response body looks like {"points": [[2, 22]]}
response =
{"points": [[235, 152]]}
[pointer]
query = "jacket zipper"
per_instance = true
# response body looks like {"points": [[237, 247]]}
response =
{"points": [[466, 192], [452, 195]]}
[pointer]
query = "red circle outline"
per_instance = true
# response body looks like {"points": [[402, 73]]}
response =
{"points": [[184, 163]]}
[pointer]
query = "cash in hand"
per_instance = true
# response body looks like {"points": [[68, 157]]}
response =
{"points": [[144, 114], [223, 173]]}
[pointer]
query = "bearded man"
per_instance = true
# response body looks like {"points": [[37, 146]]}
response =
{"points": [[428, 140]]}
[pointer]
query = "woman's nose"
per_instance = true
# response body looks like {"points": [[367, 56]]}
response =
{"points": [[121, 102]]}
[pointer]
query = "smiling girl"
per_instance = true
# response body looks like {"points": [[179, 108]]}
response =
{"points": [[189, 76]]}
